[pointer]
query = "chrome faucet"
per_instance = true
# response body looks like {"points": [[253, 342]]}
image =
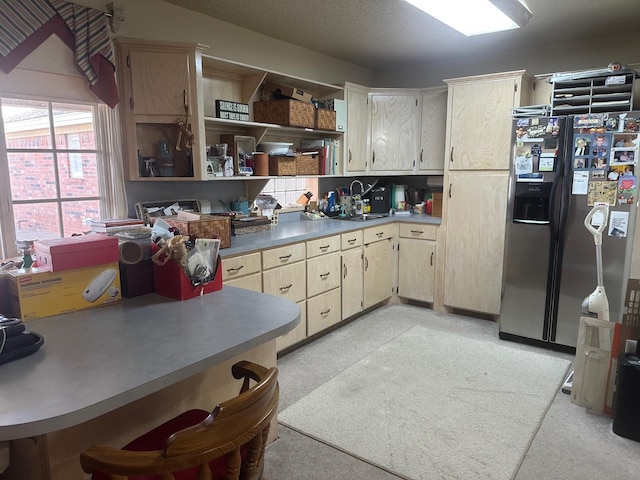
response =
{"points": [[355, 207]]}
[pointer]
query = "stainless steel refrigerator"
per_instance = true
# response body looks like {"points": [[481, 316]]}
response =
{"points": [[561, 166]]}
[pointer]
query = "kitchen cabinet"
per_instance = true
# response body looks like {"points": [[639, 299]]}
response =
{"points": [[479, 119], [284, 275], [475, 238], [159, 87], [243, 271], [433, 123], [378, 264], [358, 128], [417, 261], [323, 283], [352, 286], [395, 130]]}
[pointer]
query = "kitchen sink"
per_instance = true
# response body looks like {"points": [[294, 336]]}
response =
{"points": [[362, 218]]}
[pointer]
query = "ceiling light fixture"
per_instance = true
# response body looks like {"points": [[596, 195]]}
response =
{"points": [[476, 17]]}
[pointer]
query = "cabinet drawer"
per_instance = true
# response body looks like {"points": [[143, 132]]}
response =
{"points": [[250, 282], [283, 255], [323, 311], [351, 240], [239, 266], [414, 230], [323, 273], [288, 282], [323, 246], [381, 232]]}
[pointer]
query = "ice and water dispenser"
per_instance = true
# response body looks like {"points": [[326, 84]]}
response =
{"points": [[531, 201]]}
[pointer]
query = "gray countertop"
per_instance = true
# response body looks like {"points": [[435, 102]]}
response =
{"points": [[301, 230], [94, 361]]}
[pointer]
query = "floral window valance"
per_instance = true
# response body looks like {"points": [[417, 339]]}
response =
{"points": [[25, 24]]}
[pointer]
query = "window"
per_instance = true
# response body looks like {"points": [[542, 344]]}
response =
{"points": [[54, 167]]}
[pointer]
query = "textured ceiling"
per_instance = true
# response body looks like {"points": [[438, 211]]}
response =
{"points": [[380, 34]]}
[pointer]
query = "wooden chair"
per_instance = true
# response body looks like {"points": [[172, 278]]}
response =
{"points": [[227, 443]]}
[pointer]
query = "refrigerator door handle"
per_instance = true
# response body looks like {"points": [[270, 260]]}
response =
{"points": [[532, 222]]}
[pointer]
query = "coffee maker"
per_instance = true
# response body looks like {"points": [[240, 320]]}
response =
{"points": [[381, 199]]}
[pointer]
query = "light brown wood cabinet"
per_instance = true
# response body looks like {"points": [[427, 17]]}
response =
{"points": [[432, 130], [417, 262], [378, 264], [352, 287], [323, 284], [479, 135], [358, 127], [395, 131], [243, 271]]}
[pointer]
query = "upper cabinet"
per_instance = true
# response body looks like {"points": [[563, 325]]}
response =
{"points": [[358, 128], [161, 110], [480, 117], [169, 93], [433, 126], [395, 130]]}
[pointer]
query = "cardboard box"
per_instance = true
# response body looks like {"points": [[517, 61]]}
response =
{"points": [[60, 254], [290, 92], [37, 293]]}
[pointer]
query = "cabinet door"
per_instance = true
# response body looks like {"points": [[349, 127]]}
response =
{"points": [[480, 124], [352, 282], [160, 83], [297, 334], [323, 273], [473, 263], [378, 268], [416, 269], [395, 132], [357, 151], [433, 130]]}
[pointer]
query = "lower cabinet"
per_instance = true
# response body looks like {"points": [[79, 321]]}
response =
{"points": [[416, 262], [378, 264], [352, 281], [323, 284], [297, 334]]}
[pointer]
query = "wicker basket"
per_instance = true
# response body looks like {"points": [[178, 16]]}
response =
{"points": [[206, 227], [325, 119], [290, 113], [280, 165], [308, 164]]}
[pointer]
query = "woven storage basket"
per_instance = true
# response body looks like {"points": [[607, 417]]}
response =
{"points": [[206, 227], [308, 164], [290, 113], [282, 165], [325, 119]]}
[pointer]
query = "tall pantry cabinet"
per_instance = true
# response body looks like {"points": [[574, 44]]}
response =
{"points": [[478, 145]]}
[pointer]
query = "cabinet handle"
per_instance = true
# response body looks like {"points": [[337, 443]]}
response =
{"points": [[284, 258], [432, 259], [237, 269], [351, 241], [373, 157], [349, 155], [324, 275], [417, 232], [366, 264], [184, 98], [286, 289], [326, 312], [379, 234], [131, 103], [344, 275], [449, 190], [324, 248], [421, 152], [451, 155]]}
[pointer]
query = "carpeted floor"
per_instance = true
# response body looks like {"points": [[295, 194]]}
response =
{"points": [[432, 404]]}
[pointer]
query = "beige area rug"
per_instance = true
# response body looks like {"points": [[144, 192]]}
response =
{"points": [[434, 405]]}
